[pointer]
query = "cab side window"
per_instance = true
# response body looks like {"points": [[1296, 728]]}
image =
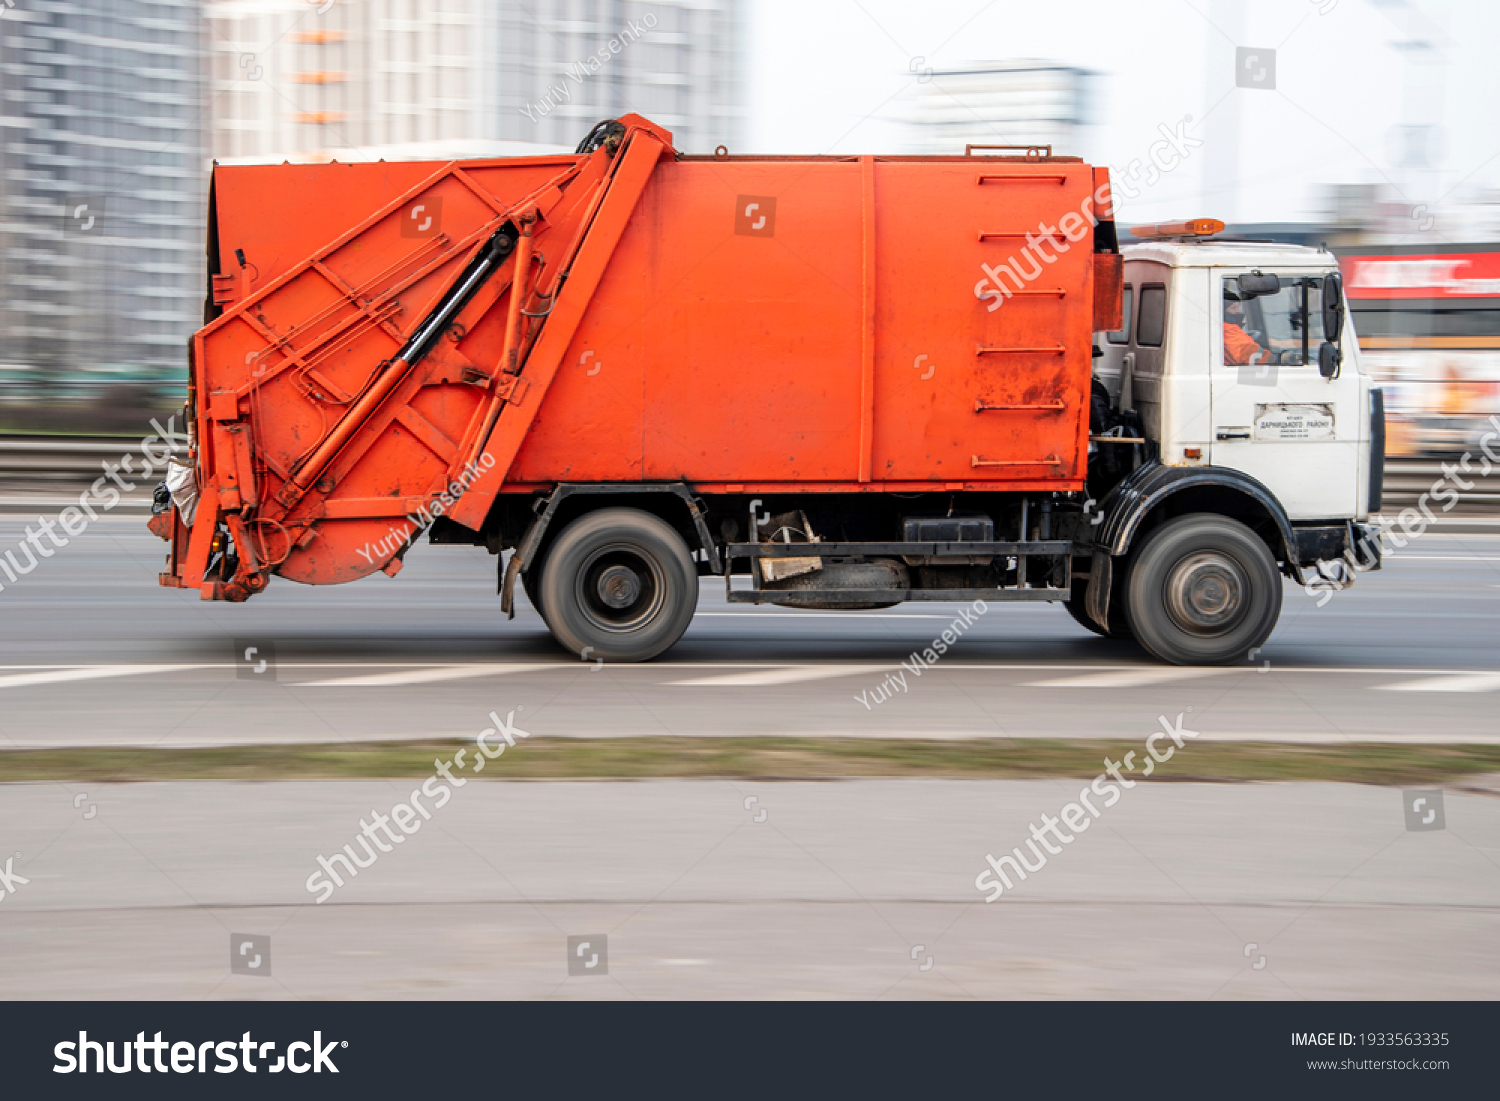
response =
{"points": [[1264, 325], [1151, 325], [1122, 334]]}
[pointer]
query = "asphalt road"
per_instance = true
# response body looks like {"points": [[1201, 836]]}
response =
{"points": [[94, 652], [719, 888], [828, 890]]}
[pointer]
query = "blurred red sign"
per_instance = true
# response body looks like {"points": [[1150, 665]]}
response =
{"points": [[1447, 275]]}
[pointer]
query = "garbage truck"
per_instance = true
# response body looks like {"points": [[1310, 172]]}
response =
{"points": [[832, 381]]}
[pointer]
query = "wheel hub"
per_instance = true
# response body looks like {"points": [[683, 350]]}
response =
{"points": [[1206, 593], [619, 586]]}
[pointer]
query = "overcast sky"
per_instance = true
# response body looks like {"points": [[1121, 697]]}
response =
{"points": [[832, 76]]}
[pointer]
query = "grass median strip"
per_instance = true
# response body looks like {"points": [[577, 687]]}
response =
{"points": [[759, 758]]}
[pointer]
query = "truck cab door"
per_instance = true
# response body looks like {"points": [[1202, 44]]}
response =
{"points": [[1277, 418]]}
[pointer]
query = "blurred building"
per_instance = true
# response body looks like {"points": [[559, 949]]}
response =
{"points": [[101, 200], [566, 65], [433, 79], [115, 109], [1002, 102], [353, 79]]}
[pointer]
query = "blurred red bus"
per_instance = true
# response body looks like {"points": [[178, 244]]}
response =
{"points": [[1428, 319]]}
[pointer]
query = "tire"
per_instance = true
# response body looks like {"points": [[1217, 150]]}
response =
{"points": [[530, 579], [618, 584], [531, 582], [1119, 628], [1202, 590]]}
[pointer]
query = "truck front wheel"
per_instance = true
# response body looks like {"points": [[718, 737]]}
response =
{"points": [[618, 584], [1118, 628], [1203, 590]]}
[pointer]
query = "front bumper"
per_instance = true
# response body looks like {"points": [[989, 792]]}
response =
{"points": [[1353, 545]]}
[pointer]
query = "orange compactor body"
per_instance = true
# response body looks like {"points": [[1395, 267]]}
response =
{"points": [[392, 341]]}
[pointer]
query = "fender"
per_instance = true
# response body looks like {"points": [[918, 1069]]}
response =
{"points": [[1126, 507]]}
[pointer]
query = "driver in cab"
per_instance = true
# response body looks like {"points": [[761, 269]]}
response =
{"points": [[1240, 348], [1240, 345]]}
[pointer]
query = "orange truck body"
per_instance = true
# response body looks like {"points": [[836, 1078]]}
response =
{"points": [[738, 324]]}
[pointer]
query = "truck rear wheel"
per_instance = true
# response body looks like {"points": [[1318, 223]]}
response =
{"points": [[1202, 590], [618, 584], [531, 582]]}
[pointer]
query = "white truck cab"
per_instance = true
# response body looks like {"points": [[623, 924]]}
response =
{"points": [[1236, 381], [1207, 398]]}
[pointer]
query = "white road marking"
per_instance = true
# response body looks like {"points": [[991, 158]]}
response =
{"points": [[54, 675], [1135, 678], [747, 673], [1445, 557], [759, 678], [1448, 682], [430, 676]]}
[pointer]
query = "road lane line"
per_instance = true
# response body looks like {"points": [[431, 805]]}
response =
{"points": [[430, 676], [88, 672], [1133, 678], [1103, 675], [1447, 682], [760, 678], [1443, 557]]}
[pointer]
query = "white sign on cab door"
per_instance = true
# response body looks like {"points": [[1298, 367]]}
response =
{"points": [[1294, 422]]}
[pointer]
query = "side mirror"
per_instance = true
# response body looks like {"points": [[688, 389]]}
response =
{"points": [[1328, 360], [1258, 285], [1333, 306]]}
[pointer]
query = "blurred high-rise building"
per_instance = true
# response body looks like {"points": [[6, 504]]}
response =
{"points": [[101, 188], [353, 79], [115, 109], [1001, 103], [430, 79], [565, 65]]}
